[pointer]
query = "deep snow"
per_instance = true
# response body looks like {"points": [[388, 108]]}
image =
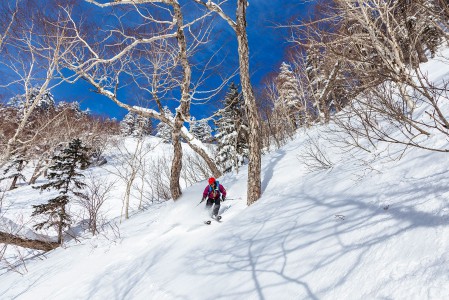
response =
{"points": [[368, 228]]}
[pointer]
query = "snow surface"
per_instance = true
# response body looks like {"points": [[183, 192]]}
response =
{"points": [[371, 227]]}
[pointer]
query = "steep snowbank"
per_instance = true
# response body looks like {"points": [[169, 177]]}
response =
{"points": [[368, 228]]}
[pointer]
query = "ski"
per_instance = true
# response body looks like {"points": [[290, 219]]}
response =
{"points": [[218, 219]]}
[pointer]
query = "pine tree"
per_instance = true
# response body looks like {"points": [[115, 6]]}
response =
{"points": [[65, 177], [232, 130], [164, 131], [201, 130]]}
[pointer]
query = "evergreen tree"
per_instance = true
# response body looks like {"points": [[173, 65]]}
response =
{"points": [[127, 124], [72, 107], [135, 125], [289, 100], [65, 177], [201, 130], [14, 169], [164, 131], [142, 126], [232, 136], [22, 102]]}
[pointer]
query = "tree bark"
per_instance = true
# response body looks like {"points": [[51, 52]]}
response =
{"points": [[60, 238], [14, 183], [36, 173], [175, 174], [10, 239], [254, 165], [182, 113]]}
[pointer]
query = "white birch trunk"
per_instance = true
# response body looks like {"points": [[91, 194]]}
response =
{"points": [[254, 166]]}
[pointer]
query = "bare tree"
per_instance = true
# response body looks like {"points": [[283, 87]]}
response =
{"points": [[275, 115], [239, 27], [117, 56], [194, 169], [95, 194], [130, 161], [31, 55], [372, 53], [314, 156], [156, 180], [9, 14], [105, 59]]}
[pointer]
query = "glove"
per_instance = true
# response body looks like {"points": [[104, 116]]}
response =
{"points": [[223, 198]]}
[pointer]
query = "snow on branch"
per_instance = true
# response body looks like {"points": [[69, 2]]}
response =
{"points": [[212, 6]]}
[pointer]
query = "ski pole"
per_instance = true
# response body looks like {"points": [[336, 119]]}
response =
{"points": [[202, 200]]}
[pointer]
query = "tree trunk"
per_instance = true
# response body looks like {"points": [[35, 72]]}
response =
{"points": [[10, 239], [34, 177], [254, 165], [183, 112], [60, 226], [126, 200], [421, 53], [14, 180], [36, 173], [175, 175], [210, 163], [14, 183]]}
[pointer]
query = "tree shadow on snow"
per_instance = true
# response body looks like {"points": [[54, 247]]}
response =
{"points": [[287, 249]]}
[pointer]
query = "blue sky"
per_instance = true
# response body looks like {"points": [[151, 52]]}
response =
{"points": [[267, 47]]}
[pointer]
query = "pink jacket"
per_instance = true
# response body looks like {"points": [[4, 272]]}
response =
{"points": [[213, 194]]}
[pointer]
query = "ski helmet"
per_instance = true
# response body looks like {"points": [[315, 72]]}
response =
{"points": [[211, 180]]}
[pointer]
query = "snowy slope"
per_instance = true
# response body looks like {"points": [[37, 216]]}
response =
{"points": [[369, 228]]}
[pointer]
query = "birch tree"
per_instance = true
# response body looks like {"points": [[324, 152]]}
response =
{"points": [[239, 27], [153, 56], [130, 162], [31, 52], [9, 16]]}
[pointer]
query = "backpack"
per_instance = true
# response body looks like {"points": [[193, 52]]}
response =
{"points": [[217, 189]]}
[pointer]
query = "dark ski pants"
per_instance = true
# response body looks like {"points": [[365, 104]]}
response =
{"points": [[209, 204]]}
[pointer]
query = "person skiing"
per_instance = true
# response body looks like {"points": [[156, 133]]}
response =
{"points": [[213, 193]]}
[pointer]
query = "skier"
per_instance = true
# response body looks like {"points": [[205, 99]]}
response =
{"points": [[212, 193]]}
